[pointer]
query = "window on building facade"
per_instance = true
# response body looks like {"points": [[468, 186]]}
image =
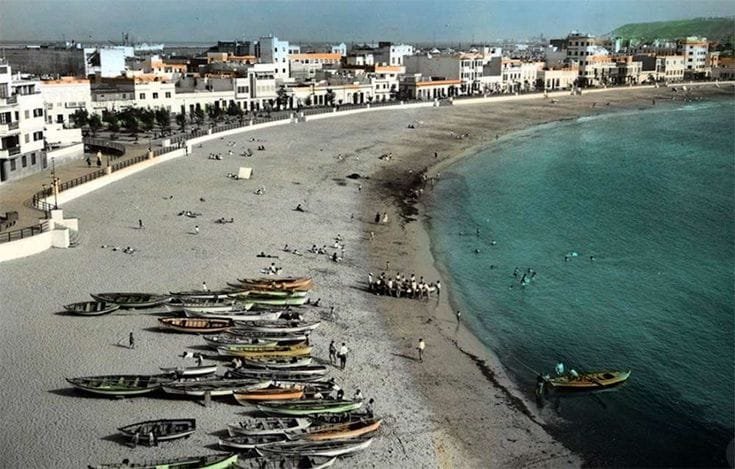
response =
{"points": [[12, 165], [168, 94], [142, 95], [38, 112], [37, 136], [33, 159], [28, 113], [28, 138], [155, 95], [24, 161]]}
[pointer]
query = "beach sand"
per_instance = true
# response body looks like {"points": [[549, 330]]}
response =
{"points": [[456, 409]]}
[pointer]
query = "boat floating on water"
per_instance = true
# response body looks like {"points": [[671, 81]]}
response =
{"points": [[588, 381]]}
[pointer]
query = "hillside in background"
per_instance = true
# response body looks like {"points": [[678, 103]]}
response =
{"points": [[722, 29]]}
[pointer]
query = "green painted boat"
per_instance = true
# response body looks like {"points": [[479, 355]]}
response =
{"points": [[120, 385], [210, 461], [309, 407]]}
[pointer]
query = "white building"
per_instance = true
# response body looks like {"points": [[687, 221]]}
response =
{"points": [[592, 59], [340, 49], [107, 61], [694, 50], [63, 97], [388, 53], [271, 50], [21, 126]]}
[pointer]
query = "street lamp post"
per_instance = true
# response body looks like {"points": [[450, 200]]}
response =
{"points": [[55, 182]]}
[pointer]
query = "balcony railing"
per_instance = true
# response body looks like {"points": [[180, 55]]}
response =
{"points": [[5, 129], [9, 100]]}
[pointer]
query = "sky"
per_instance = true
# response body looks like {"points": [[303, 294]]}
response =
{"points": [[346, 21]]}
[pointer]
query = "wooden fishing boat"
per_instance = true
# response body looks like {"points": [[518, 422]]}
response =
{"points": [[230, 339], [309, 407], [268, 426], [120, 385], [195, 325], [191, 371], [210, 461], [245, 442], [316, 448], [91, 308], [240, 293], [277, 363], [589, 381], [235, 315], [161, 430], [272, 393], [215, 387], [261, 345], [297, 350], [285, 462], [259, 301], [193, 296], [339, 430], [276, 283], [132, 300], [305, 373], [216, 306], [279, 326], [269, 335]]}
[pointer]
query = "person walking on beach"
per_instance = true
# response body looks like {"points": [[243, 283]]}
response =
{"points": [[196, 229], [370, 408], [420, 348], [204, 286], [342, 354], [377, 218], [438, 288], [140, 224], [332, 353], [131, 341], [459, 315]]}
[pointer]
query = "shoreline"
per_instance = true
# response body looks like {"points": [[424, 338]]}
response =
{"points": [[464, 340], [433, 412]]}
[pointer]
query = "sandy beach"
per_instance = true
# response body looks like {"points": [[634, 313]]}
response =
{"points": [[456, 409]]}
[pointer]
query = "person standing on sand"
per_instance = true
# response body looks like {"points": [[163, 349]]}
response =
{"points": [[377, 217], [131, 341], [459, 315], [342, 354], [204, 286], [420, 348], [385, 218], [332, 353], [140, 224], [196, 229]]}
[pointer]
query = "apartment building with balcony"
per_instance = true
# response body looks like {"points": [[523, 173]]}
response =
{"points": [[22, 149]]}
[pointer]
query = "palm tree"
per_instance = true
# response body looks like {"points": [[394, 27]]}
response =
{"points": [[95, 123], [181, 121], [80, 118]]}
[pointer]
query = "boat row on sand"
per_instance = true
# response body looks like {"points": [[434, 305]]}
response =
{"points": [[275, 374], [243, 295]]}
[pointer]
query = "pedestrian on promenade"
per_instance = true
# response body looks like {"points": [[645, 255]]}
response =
{"points": [[332, 353], [99, 159], [131, 340], [89, 162], [342, 354], [420, 348]]}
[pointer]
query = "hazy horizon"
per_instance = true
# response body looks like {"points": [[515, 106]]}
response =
{"points": [[426, 21]]}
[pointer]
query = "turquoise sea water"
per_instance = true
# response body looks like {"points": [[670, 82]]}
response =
{"points": [[651, 195]]}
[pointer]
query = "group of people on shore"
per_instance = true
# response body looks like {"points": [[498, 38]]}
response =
{"points": [[403, 286]]}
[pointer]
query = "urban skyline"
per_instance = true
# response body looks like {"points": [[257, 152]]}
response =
{"points": [[424, 21]]}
